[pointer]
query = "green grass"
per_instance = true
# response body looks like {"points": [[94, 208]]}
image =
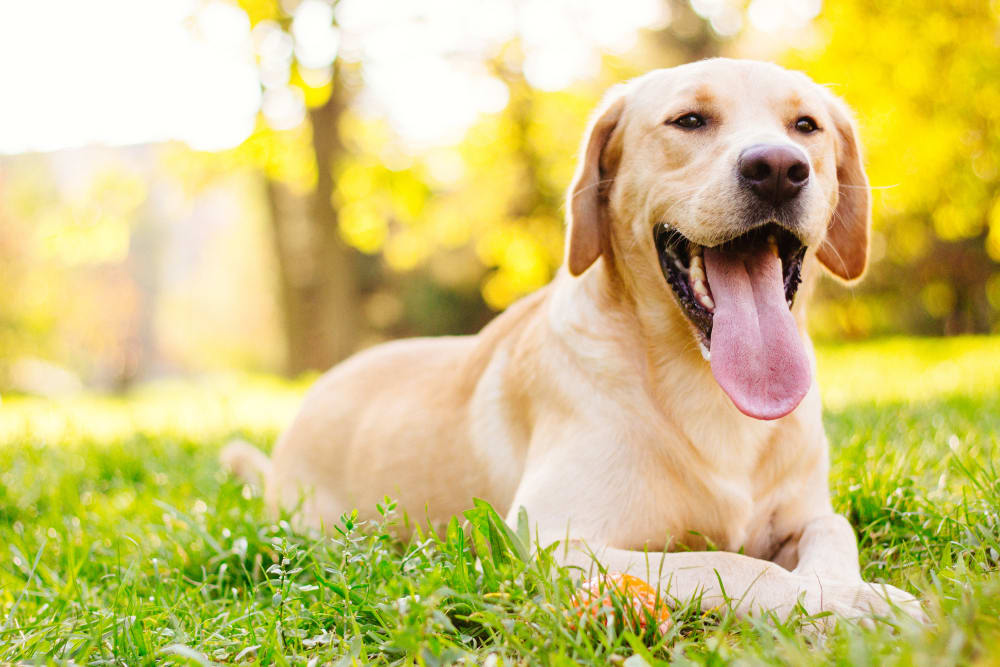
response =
{"points": [[122, 542]]}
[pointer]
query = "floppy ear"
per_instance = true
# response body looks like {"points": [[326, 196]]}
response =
{"points": [[845, 250], [587, 237]]}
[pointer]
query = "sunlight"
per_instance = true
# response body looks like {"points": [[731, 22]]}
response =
{"points": [[423, 61], [120, 72], [316, 40], [772, 16], [125, 71]]}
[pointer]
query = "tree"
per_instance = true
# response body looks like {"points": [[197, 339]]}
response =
{"points": [[508, 204], [318, 271], [924, 78]]}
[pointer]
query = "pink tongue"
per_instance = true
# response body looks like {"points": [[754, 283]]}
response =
{"points": [[757, 355]]}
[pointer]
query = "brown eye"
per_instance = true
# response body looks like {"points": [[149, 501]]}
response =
{"points": [[806, 125], [690, 121]]}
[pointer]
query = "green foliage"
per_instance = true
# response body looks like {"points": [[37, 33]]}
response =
{"points": [[924, 78], [124, 542], [54, 242], [487, 212]]}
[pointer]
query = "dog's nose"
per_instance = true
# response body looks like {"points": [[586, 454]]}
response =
{"points": [[775, 173]]}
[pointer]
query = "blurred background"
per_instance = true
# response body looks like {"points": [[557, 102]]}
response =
{"points": [[196, 186]]}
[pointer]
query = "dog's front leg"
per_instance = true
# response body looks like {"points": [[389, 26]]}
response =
{"points": [[828, 554], [720, 579], [715, 578], [828, 550]]}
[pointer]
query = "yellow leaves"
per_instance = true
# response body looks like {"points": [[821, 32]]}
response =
{"points": [[953, 222], [522, 263], [364, 136], [937, 30], [993, 291], [851, 318], [91, 225], [285, 156], [938, 298], [993, 247], [497, 193], [924, 79], [316, 84], [985, 166], [406, 250], [409, 195], [500, 290], [525, 258], [448, 226], [909, 77], [98, 240], [356, 181], [987, 102], [363, 227], [260, 10], [993, 237], [383, 210], [913, 103], [493, 135], [909, 243], [402, 194]]}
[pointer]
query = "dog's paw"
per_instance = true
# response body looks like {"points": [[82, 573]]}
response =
{"points": [[863, 602]]}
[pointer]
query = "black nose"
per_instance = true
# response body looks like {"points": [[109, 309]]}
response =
{"points": [[776, 174]]}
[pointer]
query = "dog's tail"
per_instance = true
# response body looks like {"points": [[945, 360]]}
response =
{"points": [[246, 462]]}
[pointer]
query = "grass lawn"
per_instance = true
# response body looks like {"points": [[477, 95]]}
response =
{"points": [[121, 541]]}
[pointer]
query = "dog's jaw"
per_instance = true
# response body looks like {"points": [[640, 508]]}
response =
{"points": [[745, 330]]}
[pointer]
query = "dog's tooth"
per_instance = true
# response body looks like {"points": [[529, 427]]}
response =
{"points": [[706, 301], [700, 287], [697, 271]]}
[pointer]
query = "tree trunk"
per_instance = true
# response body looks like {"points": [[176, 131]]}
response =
{"points": [[319, 282]]}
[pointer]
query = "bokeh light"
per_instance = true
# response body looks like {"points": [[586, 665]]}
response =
{"points": [[190, 185]]}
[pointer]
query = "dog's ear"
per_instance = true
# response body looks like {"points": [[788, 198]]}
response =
{"points": [[587, 209], [845, 250]]}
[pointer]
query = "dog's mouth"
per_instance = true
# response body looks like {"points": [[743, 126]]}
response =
{"points": [[683, 265], [738, 296]]}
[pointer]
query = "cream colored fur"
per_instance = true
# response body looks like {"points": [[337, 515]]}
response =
{"points": [[589, 403]]}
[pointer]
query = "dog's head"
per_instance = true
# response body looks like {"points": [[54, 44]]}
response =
{"points": [[715, 181]]}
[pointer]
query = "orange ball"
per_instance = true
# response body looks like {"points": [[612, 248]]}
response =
{"points": [[594, 597]]}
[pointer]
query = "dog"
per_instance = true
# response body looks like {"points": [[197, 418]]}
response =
{"points": [[658, 398]]}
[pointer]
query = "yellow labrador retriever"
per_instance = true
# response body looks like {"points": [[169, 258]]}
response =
{"points": [[659, 394]]}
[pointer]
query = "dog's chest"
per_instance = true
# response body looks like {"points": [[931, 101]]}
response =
{"points": [[709, 498], [711, 512]]}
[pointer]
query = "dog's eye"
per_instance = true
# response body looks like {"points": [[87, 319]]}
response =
{"points": [[805, 125], [690, 121]]}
